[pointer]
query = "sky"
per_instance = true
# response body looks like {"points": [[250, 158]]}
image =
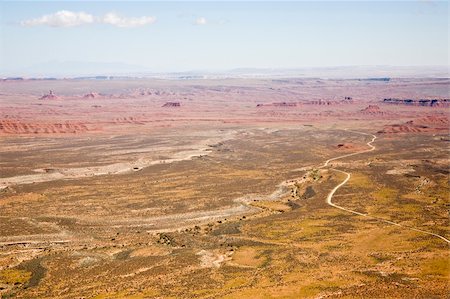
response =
{"points": [[171, 36]]}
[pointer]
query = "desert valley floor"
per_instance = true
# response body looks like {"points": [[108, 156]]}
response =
{"points": [[227, 188]]}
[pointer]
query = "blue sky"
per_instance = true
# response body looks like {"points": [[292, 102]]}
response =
{"points": [[181, 36]]}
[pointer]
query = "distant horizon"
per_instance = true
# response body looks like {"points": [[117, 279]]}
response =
{"points": [[358, 71]]}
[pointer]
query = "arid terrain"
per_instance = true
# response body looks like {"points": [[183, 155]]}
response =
{"points": [[224, 188]]}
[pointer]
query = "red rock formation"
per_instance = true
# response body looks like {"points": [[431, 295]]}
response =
{"points": [[434, 120], [285, 104], [329, 102], [278, 104], [91, 95], [172, 104], [403, 128], [429, 123], [128, 120], [372, 110], [49, 96], [17, 127]]}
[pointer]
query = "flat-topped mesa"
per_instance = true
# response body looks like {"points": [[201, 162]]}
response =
{"points": [[278, 104], [419, 102], [49, 96], [329, 102], [285, 104], [172, 104], [347, 100]]}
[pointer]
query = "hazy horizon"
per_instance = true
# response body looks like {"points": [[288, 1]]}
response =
{"points": [[71, 69]]}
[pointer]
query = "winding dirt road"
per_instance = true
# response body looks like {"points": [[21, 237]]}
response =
{"points": [[332, 192]]}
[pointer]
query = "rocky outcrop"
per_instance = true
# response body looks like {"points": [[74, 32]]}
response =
{"points": [[172, 104], [433, 120], [430, 123], [149, 92], [345, 146], [410, 127], [91, 95], [372, 110], [419, 102], [128, 120], [403, 128], [49, 96]]}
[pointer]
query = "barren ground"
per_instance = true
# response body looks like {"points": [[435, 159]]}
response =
{"points": [[112, 195]]}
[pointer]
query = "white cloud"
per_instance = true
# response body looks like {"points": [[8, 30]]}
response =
{"points": [[61, 18], [66, 18], [201, 21], [116, 20]]}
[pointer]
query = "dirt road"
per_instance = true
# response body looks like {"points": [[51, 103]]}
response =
{"points": [[348, 175]]}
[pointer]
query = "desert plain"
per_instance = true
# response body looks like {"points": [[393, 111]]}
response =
{"points": [[224, 188]]}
